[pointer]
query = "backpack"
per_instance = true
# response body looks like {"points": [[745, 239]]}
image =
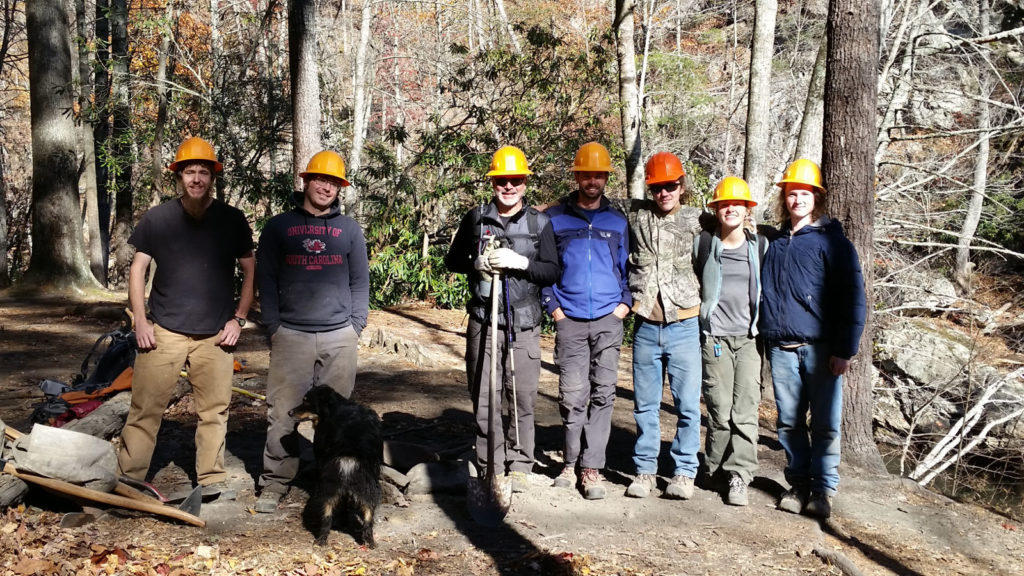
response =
{"points": [[704, 251], [112, 353]]}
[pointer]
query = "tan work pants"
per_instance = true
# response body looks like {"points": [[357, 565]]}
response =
{"points": [[153, 384]]}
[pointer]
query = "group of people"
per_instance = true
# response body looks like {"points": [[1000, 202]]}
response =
{"points": [[314, 286], [711, 297]]}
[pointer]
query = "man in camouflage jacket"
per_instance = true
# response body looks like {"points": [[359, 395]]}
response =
{"points": [[666, 300]]}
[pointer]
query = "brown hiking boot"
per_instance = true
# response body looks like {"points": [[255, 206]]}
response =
{"points": [[567, 479], [680, 487], [819, 505], [793, 500], [593, 488], [642, 486]]}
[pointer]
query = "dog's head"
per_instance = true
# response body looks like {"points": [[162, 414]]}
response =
{"points": [[320, 401]]}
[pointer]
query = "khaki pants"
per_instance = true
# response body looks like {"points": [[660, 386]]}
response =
{"points": [[153, 384]]}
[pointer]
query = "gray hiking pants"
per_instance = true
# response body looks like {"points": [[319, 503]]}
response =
{"points": [[587, 354], [299, 361], [508, 453]]}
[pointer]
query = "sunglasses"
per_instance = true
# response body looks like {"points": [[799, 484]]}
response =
{"points": [[666, 187], [502, 181]]}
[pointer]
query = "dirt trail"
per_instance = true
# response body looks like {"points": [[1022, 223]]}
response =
{"points": [[410, 372]]}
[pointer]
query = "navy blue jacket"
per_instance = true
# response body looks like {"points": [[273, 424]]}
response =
{"points": [[593, 255], [813, 289]]}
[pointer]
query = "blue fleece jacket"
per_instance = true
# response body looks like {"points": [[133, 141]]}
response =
{"points": [[813, 289], [593, 249]]}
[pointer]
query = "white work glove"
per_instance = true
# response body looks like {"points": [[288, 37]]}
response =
{"points": [[507, 259], [483, 264]]}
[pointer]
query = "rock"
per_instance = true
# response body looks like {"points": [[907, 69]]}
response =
{"points": [[438, 477]]}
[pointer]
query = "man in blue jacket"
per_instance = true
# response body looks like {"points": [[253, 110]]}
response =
{"points": [[588, 304], [314, 282]]}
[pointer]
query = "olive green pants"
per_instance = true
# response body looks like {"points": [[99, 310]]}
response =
{"points": [[732, 391]]}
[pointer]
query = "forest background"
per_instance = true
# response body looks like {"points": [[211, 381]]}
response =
{"points": [[913, 108]]}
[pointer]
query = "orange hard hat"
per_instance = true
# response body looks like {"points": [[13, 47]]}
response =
{"points": [[802, 171], [663, 167], [592, 157], [509, 161], [195, 149], [732, 188], [328, 163]]}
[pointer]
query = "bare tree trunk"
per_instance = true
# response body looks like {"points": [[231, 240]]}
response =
{"points": [[302, 31], [902, 83], [101, 128], [164, 61], [124, 215], [5, 44], [629, 101], [360, 97], [962, 274], [5, 275], [97, 262], [755, 159], [851, 96], [808, 144], [58, 256], [499, 5]]}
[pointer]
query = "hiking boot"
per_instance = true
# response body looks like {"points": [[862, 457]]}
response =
{"points": [[219, 491], [680, 487], [567, 479], [793, 500], [268, 501], [519, 480], [593, 488], [737, 494], [819, 505], [642, 486]]}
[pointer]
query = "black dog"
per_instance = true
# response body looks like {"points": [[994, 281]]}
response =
{"points": [[349, 452]]}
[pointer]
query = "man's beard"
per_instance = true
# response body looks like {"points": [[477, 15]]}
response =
{"points": [[196, 208]]}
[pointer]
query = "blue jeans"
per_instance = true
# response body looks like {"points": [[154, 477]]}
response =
{"points": [[804, 382], [673, 348]]}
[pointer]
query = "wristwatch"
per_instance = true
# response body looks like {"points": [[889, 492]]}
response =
{"points": [[241, 321]]}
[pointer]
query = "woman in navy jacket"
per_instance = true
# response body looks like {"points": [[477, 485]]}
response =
{"points": [[812, 317]]}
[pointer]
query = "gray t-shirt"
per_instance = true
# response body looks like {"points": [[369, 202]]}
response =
{"points": [[732, 315]]}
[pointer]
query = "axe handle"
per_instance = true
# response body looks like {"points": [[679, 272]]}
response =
{"points": [[77, 491]]}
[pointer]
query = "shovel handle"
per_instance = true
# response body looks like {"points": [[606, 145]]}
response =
{"points": [[77, 491]]}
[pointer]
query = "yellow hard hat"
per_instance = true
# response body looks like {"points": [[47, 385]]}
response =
{"points": [[328, 163], [509, 161], [732, 188], [195, 149], [802, 171], [592, 157], [663, 167]]}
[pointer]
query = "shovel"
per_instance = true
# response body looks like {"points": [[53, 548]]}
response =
{"points": [[488, 499]]}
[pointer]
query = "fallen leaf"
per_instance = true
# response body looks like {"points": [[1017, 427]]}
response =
{"points": [[27, 566], [426, 555], [1009, 527]]}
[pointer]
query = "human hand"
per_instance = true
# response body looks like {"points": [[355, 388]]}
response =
{"points": [[508, 259], [230, 333], [483, 264], [621, 311], [145, 338], [839, 365], [558, 314]]}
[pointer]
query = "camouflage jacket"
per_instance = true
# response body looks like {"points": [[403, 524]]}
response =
{"points": [[661, 258]]}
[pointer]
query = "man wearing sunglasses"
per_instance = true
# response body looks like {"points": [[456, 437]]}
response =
{"points": [[314, 282], [517, 242], [666, 300]]}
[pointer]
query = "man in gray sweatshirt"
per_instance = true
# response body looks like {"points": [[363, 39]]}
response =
{"points": [[314, 282]]}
